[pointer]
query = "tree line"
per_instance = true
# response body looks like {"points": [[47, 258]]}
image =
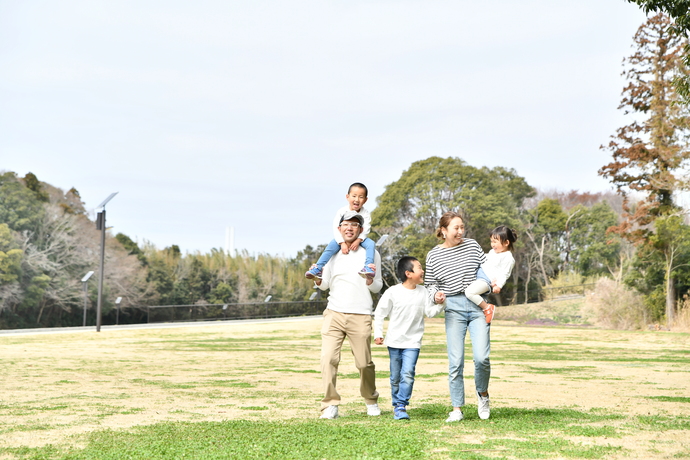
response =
{"points": [[637, 236]]}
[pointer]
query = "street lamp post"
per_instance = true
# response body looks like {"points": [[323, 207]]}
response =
{"points": [[266, 300], [84, 282], [100, 225], [117, 315]]}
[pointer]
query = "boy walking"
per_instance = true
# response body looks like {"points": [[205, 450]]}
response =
{"points": [[405, 305]]}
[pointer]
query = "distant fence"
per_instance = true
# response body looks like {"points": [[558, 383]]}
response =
{"points": [[212, 312]]}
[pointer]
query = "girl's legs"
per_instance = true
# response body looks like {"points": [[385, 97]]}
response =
{"points": [[475, 289], [473, 292]]}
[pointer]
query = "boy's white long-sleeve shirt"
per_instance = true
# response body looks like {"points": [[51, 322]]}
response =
{"points": [[498, 266], [405, 309], [348, 291], [366, 228]]}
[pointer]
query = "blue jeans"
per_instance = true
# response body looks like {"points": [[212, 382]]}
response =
{"points": [[403, 362], [333, 247], [461, 315]]}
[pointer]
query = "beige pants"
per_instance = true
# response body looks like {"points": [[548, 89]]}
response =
{"points": [[357, 329]]}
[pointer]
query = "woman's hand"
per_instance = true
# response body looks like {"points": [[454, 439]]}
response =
{"points": [[439, 297]]}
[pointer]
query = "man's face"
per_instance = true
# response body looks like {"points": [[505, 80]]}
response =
{"points": [[350, 229]]}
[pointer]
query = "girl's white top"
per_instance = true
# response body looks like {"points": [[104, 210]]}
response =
{"points": [[405, 309], [498, 266], [336, 223]]}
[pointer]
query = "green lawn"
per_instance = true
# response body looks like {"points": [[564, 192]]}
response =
{"points": [[252, 391]]}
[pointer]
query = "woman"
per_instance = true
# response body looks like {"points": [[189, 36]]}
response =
{"points": [[450, 268]]}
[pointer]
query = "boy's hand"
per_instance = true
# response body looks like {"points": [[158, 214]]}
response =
{"points": [[355, 244], [439, 297], [344, 247], [496, 290], [378, 340]]}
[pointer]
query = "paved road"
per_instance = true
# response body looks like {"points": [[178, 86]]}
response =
{"points": [[72, 330]]}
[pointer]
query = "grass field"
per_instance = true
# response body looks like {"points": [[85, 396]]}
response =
{"points": [[252, 390]]}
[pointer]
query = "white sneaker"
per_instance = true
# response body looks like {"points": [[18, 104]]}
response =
{"points": [[483, 406], [331, 413], [455, 416], [373, 410]]}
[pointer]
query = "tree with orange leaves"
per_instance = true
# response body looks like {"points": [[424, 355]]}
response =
{"points": [[649, 154]]}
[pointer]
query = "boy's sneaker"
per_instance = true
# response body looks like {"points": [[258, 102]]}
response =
{"points": [[399, 413], [331, 413], [373, 410], [367, 272], [313, 273], [489, 313], [454, 416], [483, 406]]}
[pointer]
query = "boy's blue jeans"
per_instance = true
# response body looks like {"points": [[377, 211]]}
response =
{"points": [[333, 247], [461, 315], [403, 362]]}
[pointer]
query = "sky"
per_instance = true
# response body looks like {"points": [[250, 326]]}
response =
{"points": [[258, 115]]}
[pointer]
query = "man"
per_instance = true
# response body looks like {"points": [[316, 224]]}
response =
{"points": [[348, 314]]}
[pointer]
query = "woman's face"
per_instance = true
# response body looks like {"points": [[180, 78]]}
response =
{"points": [[453, 233]]}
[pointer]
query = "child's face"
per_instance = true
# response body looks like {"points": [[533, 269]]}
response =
{"points": [[356, 197], [417, 275], [499, 246]]}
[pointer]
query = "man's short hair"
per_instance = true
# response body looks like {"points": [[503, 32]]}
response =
{"points": [[405, 264]]}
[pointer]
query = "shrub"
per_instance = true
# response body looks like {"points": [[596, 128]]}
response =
{"points": [[681, 323], [615, 306]]}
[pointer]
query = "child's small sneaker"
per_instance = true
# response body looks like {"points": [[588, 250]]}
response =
{"points": [[399, 413], [483, 406], [313, 273], [454, 416], [489, 313], [367, 272]]}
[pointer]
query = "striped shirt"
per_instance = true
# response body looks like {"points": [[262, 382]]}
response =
{"points": [[451, 270]]}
